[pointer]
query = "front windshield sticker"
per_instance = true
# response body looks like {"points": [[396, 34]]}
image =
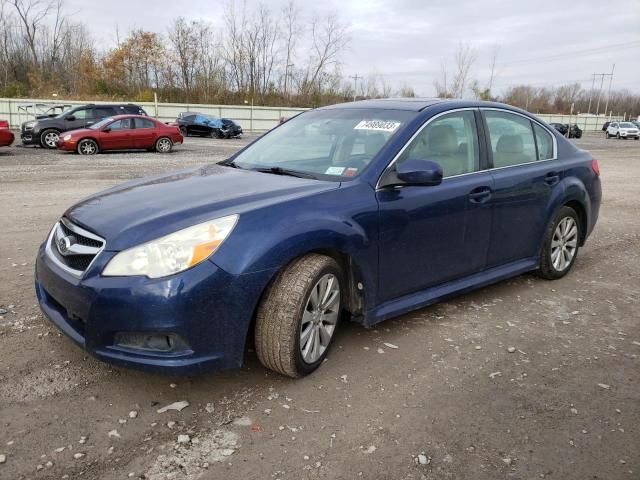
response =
{"points": [[334, 171], [380, 125]]}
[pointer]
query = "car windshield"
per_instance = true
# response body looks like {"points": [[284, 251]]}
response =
{"points": [[325, 143], [627, 125], [101, 123]]}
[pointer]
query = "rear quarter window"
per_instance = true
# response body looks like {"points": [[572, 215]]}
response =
{"points": [[544, 142]]}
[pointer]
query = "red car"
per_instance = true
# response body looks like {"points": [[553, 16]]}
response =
{"points": [[6, 135], [121, 132]]}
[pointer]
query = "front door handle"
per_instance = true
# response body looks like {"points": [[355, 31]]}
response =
{"points": [[480, 194], [552, 178]]}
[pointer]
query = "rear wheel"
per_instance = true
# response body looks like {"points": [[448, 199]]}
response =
{"points": [[298, 316], [49, 138], [87, 147], [163, 145], [561, 244]]}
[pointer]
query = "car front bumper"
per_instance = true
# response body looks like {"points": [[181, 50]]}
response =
{"points": [[210, 309], [29, 137], [69, 145]]}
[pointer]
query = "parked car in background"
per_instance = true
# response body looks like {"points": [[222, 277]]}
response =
{"points": [[572, 131], [53, 111], [230, 129], [6, 136], [194, 123], [46, 131], [623, 130], [121, 132], [366, 210], [605, 126]]}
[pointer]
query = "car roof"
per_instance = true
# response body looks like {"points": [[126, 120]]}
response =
{"points": [[416, 104], [129, 115]]}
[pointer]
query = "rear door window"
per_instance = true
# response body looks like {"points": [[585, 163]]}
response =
{"points": [[102, 112], [511, 138], [544, 142], [144, 123]]}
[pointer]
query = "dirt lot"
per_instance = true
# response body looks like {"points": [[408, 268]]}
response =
{"points": [[564, 405]]}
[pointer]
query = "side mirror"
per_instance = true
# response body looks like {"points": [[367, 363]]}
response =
{"points": [[419, 172], [106, 129], [71, 118]]}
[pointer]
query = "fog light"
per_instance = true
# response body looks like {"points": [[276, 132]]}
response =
{"points": [[154, 342]]}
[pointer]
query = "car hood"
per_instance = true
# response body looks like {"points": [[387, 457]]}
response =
{"points": [[145, 209], [78, 132]]}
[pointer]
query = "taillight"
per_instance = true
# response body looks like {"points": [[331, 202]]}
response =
{"points": [[595, 167]]}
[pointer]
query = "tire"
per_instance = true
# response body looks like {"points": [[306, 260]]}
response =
{"points": [[163, 145], [286, 314], [607, 134], [87, 147], [48, 138], [562, 237], [618, 136]]}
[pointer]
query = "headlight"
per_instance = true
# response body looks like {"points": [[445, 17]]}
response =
{"points": [[66, 138], [173, 253], [29, 124]]}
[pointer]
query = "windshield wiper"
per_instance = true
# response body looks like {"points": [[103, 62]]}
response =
{"points": [[284, 171], [229, 163]]}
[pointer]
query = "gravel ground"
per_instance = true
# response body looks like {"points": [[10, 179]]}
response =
{"points": [[434, 394]]}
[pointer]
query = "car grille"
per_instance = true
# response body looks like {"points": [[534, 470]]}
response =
{"points": [[73, 248]]}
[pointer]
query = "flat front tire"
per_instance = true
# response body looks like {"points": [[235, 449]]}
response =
{"points": [[561, 244], [299, 314]]}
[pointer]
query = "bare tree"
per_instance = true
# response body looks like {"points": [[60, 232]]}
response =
{"points": [[464, 58], [291, 34]]}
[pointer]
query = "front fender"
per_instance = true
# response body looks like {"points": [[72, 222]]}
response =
{"points": [[344, 220]]}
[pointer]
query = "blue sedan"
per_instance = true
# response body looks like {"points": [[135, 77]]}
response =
{"points": [[364, 211]]}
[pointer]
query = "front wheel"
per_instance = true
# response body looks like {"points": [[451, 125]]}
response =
{"points": [[561, 244], [298, 316], [49, 139], [163, 145], [87, 147], [618, 136], [606, 134]]}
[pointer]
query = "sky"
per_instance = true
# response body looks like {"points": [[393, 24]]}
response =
{"points": [[540, 42]]}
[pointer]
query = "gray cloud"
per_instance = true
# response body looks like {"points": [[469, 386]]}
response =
{"points": [[542, 42]]}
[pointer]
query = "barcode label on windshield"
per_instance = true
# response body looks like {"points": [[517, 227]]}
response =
{"points": [[377, 125]]}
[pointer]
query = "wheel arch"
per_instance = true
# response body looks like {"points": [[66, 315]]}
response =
{"points": [[581, 211]]}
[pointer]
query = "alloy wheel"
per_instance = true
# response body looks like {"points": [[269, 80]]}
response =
{"points": [[164, 145], [88, 148], [319, 318], [51, 139], [564, 244]]}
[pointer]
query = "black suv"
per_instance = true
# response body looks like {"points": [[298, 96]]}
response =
{"points": [[45, 131]]}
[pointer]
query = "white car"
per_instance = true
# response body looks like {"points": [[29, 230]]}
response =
{"points": [[623, 130]]}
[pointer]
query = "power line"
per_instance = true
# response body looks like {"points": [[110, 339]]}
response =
{"points": [[564, 55]]}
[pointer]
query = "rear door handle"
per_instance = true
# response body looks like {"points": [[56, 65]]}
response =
{"points": [[480, 194], [552, 178]]}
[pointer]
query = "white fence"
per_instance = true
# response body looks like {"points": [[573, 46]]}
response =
{"points": [[588, 123], [250, 118]]}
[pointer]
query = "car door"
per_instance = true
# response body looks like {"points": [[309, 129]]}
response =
{"points": [[525, 174], [433, 234], [118, 135], [78, 118], [144, 134]]}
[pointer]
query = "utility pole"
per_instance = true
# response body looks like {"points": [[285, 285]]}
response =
{"points": [[601, 75], [355, 77], [593, 84], [606, 107]]}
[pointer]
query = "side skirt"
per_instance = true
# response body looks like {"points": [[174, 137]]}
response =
{"points": [[432, 295]]}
